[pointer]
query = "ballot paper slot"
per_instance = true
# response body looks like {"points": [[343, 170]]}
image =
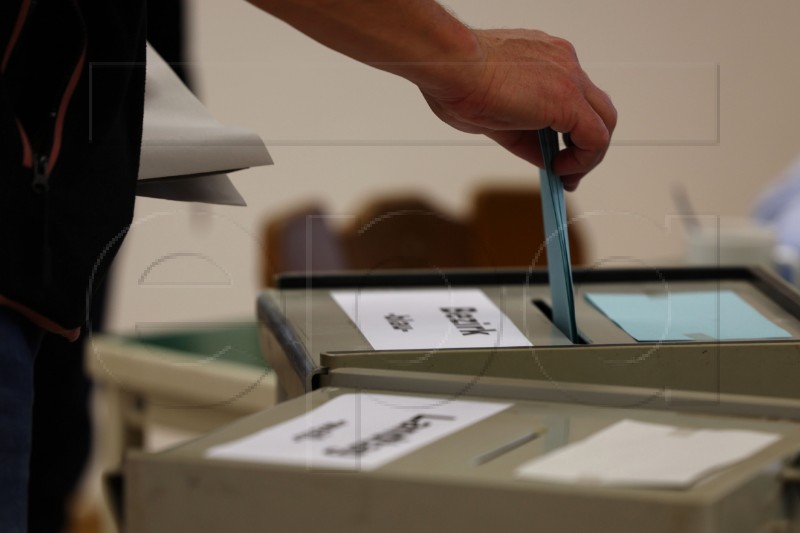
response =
{"points": [[547, 311], [506, 448]]}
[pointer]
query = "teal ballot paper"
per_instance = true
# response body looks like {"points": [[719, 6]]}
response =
{"points": [[559, 267], [686, 316]]}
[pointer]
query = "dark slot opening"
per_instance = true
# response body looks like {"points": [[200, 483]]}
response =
{"points": [[544, 307], [505, 448]]}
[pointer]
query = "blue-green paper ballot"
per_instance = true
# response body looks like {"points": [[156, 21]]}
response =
{"points": [[559, 268], [686, 316]]}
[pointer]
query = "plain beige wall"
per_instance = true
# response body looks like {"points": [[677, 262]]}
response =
{"points": [[707, 93]]}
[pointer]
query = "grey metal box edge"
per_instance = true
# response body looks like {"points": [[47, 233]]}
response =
{"points": [[325, 504], [606, 396], [700, 367]]}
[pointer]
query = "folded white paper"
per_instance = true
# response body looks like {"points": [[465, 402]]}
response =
{"points": [[632, 453], [203, 188], [421, 319], [180, 138], [358, 431]]}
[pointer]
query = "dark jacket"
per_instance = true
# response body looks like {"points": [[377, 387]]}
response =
{"points": [[71, 103]]}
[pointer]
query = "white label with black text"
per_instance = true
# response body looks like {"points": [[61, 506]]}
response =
{"points": [[358, 431], [422, 319]]}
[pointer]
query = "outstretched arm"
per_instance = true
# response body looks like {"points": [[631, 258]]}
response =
{"points": [[505, 84]]}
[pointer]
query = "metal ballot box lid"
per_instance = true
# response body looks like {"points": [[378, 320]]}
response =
{"points": [[465, 480], [310, 341]]}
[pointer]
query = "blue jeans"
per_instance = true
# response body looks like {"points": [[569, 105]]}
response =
{"points": [[19, 341]]}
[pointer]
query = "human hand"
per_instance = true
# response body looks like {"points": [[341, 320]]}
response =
{"points": [[528, 80]]}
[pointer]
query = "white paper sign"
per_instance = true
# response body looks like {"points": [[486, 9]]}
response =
{"points": [[429, 319], [358, 431], [631, 453]]}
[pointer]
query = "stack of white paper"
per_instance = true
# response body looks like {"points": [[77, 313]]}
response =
{"points": [[632, 453]]}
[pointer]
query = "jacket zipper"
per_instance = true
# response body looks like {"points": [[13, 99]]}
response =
{"points": [[43, 161], [41, 186], [22, 17], [28, 156], [41, 177]]}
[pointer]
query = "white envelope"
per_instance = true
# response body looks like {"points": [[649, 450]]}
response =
{"points": [[183, 142]]}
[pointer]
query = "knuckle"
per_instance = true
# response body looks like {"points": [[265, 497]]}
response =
{"points": [[469, 109], [564, 45], [612, 118], [602, 139]]}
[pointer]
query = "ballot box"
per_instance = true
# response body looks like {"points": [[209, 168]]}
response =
{"points": [[727, 331], [351, 460]]}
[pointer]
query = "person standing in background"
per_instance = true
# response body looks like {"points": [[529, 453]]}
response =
{"points": [[779, 208], [62, 424]]}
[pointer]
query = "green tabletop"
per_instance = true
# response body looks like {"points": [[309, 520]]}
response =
{"points": [[233, 343]]}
